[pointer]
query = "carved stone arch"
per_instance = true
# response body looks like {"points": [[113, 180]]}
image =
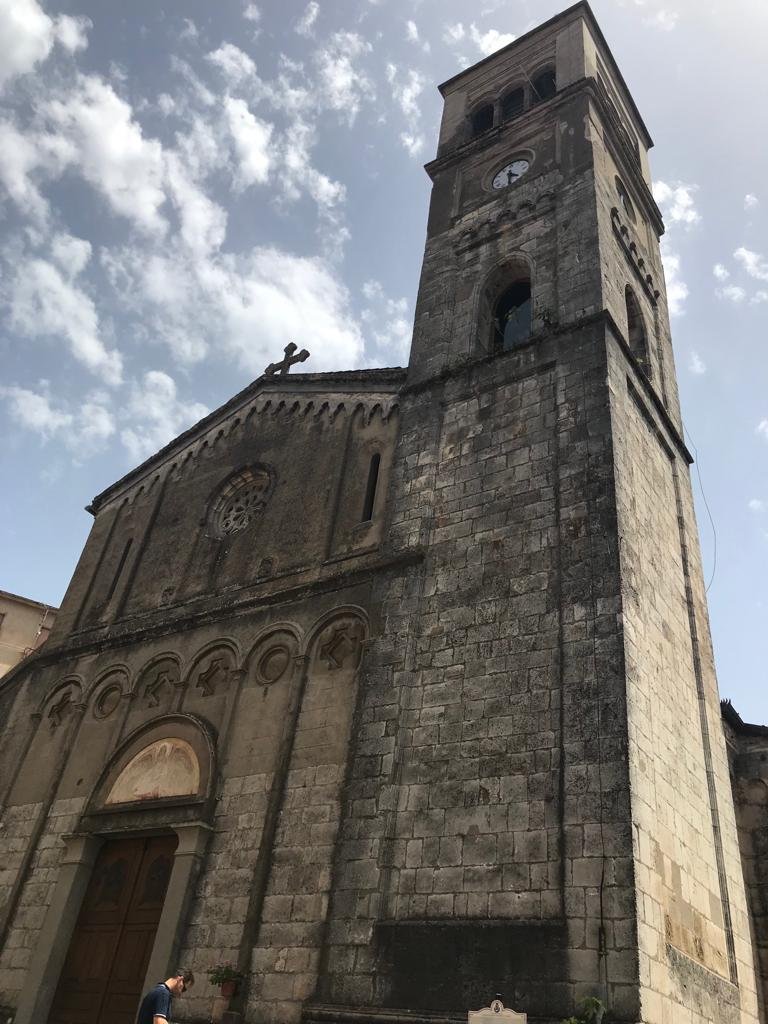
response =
{"points": [[169, 761], [107, 690], [213, 667], [336, 640], [161, 673], [514, 268], [272, 654], [58, 703]]}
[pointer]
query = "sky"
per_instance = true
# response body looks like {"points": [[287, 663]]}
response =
{"points": [[186, 187]]}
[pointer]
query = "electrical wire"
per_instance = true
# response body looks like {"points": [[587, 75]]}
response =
{"points": [[706, 506]]}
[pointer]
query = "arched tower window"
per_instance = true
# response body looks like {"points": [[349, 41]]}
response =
{"points": [[512, 104], [505, 310], [544, 87], [638, 341], [512, 316], [482, 119]]}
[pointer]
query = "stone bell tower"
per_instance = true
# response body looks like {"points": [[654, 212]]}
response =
{"points": [[538, 801]]}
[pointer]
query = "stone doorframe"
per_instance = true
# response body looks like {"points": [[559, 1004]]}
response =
{"points": [[76, 866]]}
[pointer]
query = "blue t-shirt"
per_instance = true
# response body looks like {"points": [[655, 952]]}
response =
{"points": [[156, 1003]]}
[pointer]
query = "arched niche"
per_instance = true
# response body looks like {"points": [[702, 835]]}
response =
{"points": [[167, 763], [271, 677], [213, 669], [105, 707], [636, 332], [57, 717], [154, 690]]}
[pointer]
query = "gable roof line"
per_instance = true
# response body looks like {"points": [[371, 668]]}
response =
{"points": [[394, 376]]}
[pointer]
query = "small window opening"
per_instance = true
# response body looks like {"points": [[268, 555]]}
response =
{"points": [[512, 317], [544, 87], [636, 336], [513, 104], [625, 201], [119, 570], [482, 119], [370, 488]]}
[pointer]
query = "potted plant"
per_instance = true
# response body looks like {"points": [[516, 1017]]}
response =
{"points": [[226, 976], [590, 1011]]}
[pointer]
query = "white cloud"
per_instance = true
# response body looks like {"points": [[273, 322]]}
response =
{"points": [[248, 305], [732, 292], [388, 325], [72, 254], [344, 85], [26, 159], [252, 138], [756, 504], [83, 432], [677, 289], [203, 222], [252, 13], [110, 151], [190, 30], [663, 19], [28, 34], [676, 202], [156, 414], [759, 297], [407, 92], [762, 428], [720, 272], [235, 65], [35, 412], [44, 303], [696, 364], [306, 22], [753, 262], [414, 144], [454, 33], [490, 41], [750, 201], [412, 35]]}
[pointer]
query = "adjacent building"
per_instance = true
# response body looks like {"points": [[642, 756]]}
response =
{"points": [[24, 626]]}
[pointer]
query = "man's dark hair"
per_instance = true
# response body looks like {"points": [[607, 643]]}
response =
{"points": [[187, 975]]}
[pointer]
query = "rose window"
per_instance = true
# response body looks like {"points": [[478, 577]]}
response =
{"points": [[241, 501]]}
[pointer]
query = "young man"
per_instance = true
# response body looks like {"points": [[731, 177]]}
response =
{"points": [[156, 1005]]}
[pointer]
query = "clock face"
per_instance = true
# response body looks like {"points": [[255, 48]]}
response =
{"points": [[509, 174]]}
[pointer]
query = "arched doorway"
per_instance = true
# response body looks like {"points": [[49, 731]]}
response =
{"points": [[122, 895]]}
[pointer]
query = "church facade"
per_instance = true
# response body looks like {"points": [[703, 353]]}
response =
{"points": [[394, 688]]}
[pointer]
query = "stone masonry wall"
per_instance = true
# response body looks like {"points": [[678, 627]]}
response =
{"points": [[494, 818], [693, 929]]}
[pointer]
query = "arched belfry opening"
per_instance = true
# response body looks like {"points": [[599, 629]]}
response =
{"points": [[506, 308], [636, 335]]}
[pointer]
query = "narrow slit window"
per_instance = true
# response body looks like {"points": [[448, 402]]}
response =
{"points": [[370, 489], [119, 570]]}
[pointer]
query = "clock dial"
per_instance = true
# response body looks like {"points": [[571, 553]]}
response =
{"points": [[509, 174]]}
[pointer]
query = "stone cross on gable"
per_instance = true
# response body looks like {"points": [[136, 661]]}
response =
{"points": [[285, 364]]}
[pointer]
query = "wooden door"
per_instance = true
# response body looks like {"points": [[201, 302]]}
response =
{"points": [[109, 953]]}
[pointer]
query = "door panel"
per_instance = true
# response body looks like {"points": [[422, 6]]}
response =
{"points": [[110, 949]]}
